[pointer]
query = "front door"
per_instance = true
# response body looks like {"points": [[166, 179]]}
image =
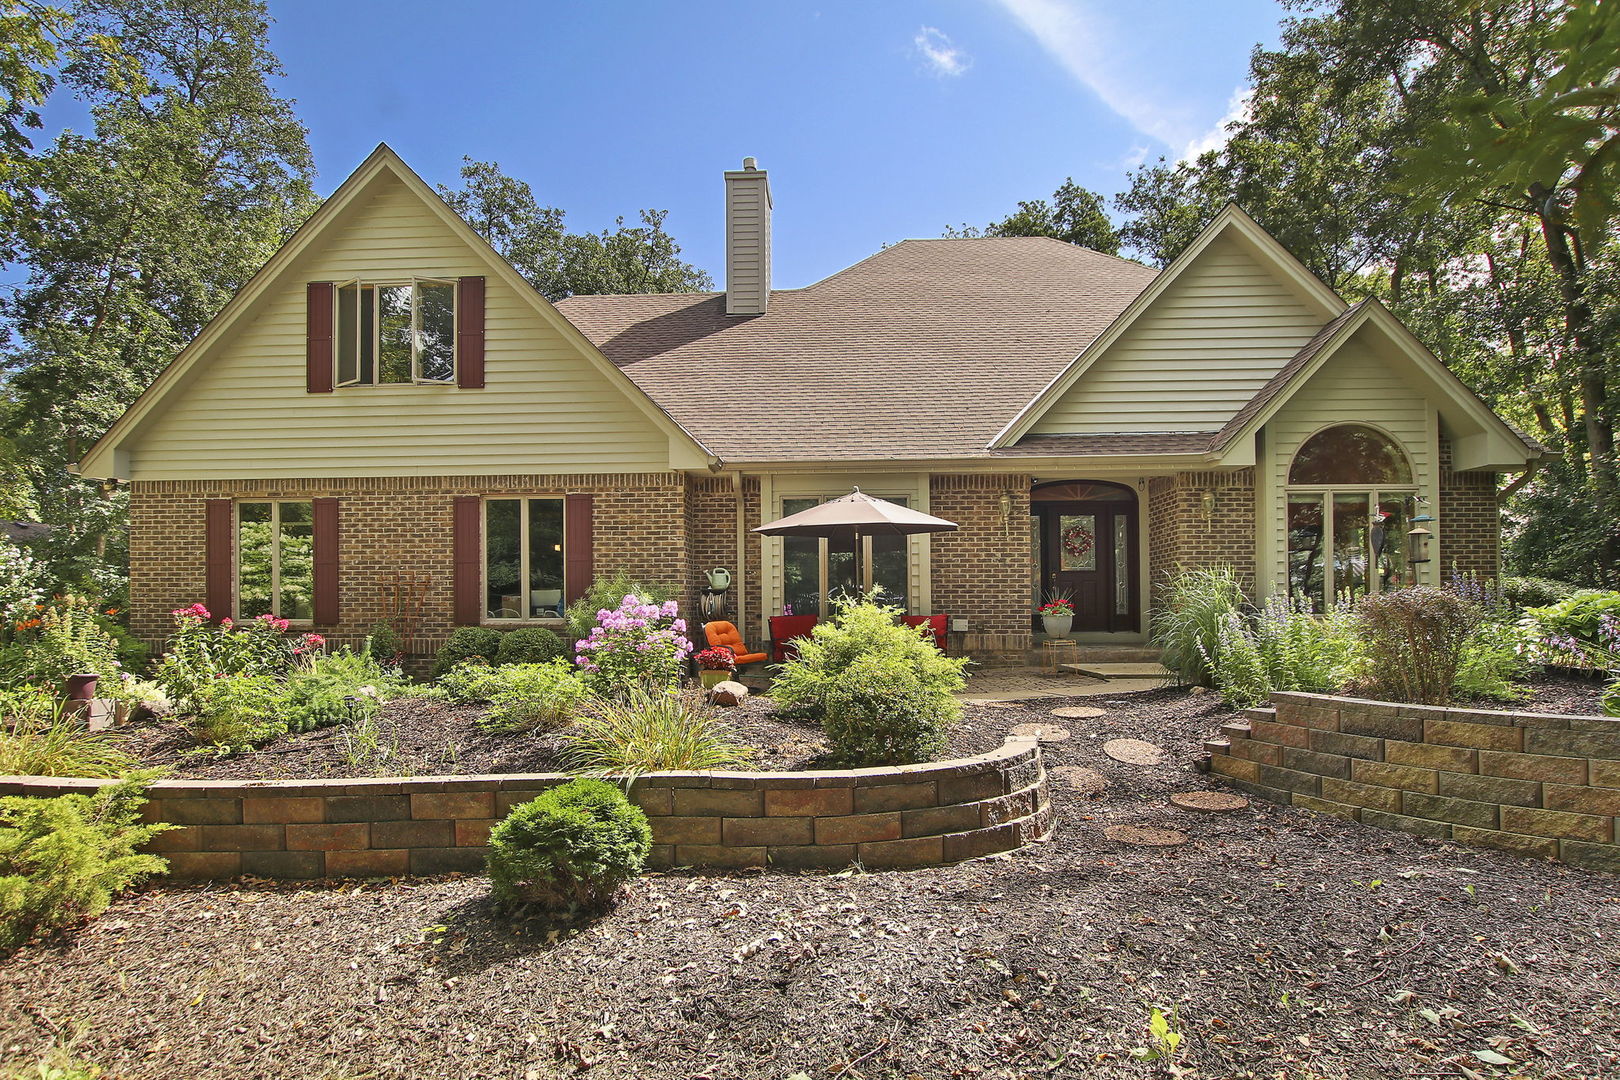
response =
{"points": [[1088, 550]]}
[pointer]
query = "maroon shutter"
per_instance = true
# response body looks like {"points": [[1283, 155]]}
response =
{"points": [[318, 343], [578, 562], [467, 557], [326, 561], [470, 333], [219, 520]]}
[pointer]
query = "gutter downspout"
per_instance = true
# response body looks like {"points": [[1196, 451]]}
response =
{"points": [[1530, 468], [742, 551]]}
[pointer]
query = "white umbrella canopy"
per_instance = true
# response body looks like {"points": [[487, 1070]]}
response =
{"points": [[850, 517]]}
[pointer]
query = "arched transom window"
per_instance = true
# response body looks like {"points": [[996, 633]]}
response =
{"points": [[1350, 493]]}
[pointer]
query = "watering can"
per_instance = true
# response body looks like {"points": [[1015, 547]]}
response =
{"points": [[719, 579]]}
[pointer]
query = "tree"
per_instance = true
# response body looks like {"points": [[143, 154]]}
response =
{"points": [[535, 240], [194, 174], [1075, 216]]}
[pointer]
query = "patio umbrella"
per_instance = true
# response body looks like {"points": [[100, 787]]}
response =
{"points": [[849, 517]]}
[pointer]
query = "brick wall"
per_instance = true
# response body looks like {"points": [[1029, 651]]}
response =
{"points": [[393, 523], [1529, 783], [914, 815], [1469, 520], [1182, 537], [982, 571]]}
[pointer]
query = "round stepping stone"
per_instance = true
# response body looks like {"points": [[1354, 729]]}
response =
{"points": [[1133, 752], [997, 704], [1081, 779], [1046, 733], [1209, 802], [1145, 835], [1079, 712]]}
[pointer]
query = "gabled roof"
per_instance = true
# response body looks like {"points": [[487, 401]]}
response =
{"points": [[920, 352], [1232, 220], [106, 458]]}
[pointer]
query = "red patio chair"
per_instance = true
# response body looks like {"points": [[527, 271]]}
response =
{"points": [[785, 630], [937, 624]]}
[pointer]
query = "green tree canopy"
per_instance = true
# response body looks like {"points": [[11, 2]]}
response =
{"points": [[1075, 216]]}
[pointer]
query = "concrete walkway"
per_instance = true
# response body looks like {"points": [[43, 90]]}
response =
{"points": [[1028, 683]]}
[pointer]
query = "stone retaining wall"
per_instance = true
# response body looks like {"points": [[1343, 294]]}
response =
{"points": [[1530, 783], [913, 815]]}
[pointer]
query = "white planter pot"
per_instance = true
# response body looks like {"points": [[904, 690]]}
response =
{"points": [[1057, 625]]}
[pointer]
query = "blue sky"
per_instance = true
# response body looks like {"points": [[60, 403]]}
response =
{"points": [[877, 121]]}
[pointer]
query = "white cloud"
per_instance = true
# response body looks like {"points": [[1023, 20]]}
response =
{"points": [[941, 55], [1106, 60], [1237, 109], [1137, 155]]}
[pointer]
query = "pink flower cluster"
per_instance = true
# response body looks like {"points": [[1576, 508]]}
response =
{"points": [[195, 611], [636, 632], [308, 643]]}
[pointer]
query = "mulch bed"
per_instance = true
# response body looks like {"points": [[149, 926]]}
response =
{"points": [[1291, 946]]}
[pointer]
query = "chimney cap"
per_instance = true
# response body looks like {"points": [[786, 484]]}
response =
{"points": [[750, 164]]}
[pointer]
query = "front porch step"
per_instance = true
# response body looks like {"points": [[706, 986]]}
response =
{"points": [[1085, 653], [1110, 671]]}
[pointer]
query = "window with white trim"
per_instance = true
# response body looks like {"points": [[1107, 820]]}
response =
{"points": [[275, 560], [523, 558], [396, 332], [814, 569], [1349, 497]]}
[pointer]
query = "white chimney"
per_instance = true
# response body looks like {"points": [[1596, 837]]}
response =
{"points": [[748, 240]]}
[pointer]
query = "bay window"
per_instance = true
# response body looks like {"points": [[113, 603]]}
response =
{"points": [[1349, 497], [275, 560], [396, 332], [815, 570], [523, 558]]}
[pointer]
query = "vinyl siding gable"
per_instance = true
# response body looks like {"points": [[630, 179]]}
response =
{"points": [[1189, 361], [244, 413]]}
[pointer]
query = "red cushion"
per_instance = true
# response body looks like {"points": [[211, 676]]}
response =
{"points": [[785, 629], [937, 624]]}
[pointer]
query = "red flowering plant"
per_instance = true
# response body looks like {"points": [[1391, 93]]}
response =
{"points": [[1057, 605], [716, 659], [201, 651]]}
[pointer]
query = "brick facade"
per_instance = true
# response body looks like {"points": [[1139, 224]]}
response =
{"points": [[982, 571], [1469, 521], [1183, 536], [1529, 783]]}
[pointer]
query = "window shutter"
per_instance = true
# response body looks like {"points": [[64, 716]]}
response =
{"points": [[470, 333], [219, 556], [578, 560], [467, 557], [318, 344], [325, 513]]}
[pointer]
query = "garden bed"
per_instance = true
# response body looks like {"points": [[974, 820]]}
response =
{"points": [[1289, 944], [424, 737]]}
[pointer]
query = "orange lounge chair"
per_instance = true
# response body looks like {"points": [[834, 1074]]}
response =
{"points": [[724, 635]]}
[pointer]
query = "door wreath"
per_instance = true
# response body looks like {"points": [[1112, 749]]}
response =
{"points": [[1078, 544]]}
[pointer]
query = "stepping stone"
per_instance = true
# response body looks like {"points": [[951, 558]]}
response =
{"points": [[1133, 752], [1046, 733], [1209, 802], [1081, 779], [1145, 835], [1079, 712]]}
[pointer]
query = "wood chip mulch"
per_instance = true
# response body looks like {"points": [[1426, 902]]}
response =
{"points": [[1288, 944]]}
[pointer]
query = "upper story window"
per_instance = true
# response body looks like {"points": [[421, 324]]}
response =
{"points": [[396, 332]]}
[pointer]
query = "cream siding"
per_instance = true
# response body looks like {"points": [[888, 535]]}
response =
{"points": [[1196, 354], [1355, 385], [245, 413]]}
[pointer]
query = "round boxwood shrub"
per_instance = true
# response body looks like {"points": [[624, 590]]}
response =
{"points": [[465, 643], [571, 850], [531, 645]]}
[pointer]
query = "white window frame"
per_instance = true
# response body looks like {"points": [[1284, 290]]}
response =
{"points": [[1406, 493], [866, 553], [415, 284], [275, 557], [486, 618]]}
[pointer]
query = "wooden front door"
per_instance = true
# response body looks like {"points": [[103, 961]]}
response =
{"points": [[1088, 550]]}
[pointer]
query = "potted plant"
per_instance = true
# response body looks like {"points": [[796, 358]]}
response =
{"points": [[1057, 614], [715, 666]]}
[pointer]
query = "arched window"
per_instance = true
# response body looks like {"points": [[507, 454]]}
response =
{"points": [[1350, 496]]}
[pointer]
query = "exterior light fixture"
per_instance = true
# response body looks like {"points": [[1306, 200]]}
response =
{"points": [[1208, 504]]}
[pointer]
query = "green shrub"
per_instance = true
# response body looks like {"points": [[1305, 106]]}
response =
{"points": [[384, 645], [63, 859], [1494, 663], [337, 688], [649, 733], [1611, 697], [37, 739], [530, 645], [1283, 646], [852, 669], [1411, 642], [200, 652], [470, 681], [1585, 627], [534, 697], [467, 643], [242, 711], [1187, 622], [606, 593], [569, 851], [1529, 592]]}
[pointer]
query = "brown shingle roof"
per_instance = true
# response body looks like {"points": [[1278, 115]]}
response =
{"points": [[924, 350]]}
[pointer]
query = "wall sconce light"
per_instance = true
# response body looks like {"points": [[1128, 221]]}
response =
{"points": [[1208, 504], [1006, 505]]}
